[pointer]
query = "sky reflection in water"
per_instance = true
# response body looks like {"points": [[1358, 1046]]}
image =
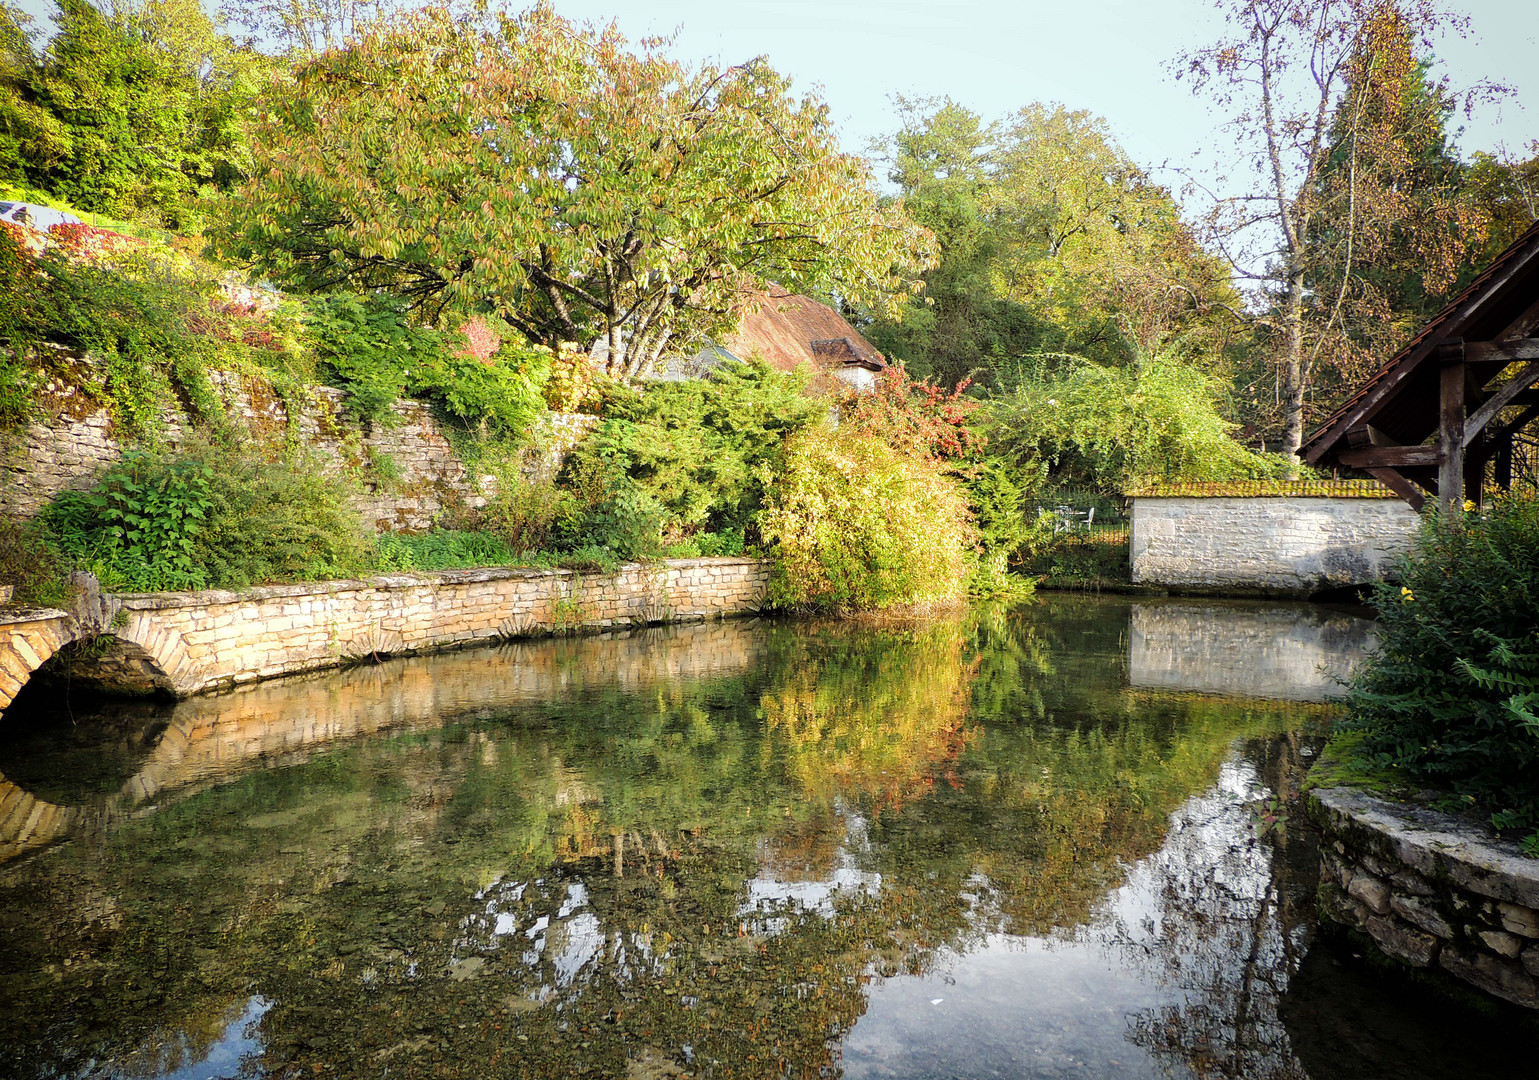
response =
{"points": [[1000, 844]]}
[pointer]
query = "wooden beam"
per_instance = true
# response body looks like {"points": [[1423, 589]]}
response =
{"points": [[1499, 401], [1368, 435], [1408, 491], [1504, 465], [1390, 457], [1526, 348], [1401, 370], [1450, 428], [1512, 427], [1523, 325]]}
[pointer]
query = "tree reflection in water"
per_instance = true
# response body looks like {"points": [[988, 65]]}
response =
{"points": [[571, 860]]}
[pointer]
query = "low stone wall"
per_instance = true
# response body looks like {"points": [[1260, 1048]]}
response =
{"points": [[186, 643], [1289, 545], [1431, 891]]}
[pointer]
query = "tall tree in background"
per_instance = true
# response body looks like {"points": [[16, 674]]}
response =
{"points": [[1344, 176], [1096, 249], [962, 327], [129, 110], [1052, 241], [548, 173]]}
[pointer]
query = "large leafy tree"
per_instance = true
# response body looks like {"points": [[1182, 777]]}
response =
{"points": [[1095, 247], [1345, 196], [1051, 240], [552, 174]]}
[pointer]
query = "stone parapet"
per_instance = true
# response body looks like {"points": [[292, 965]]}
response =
{"points": [[1431, 890], [1289, 545], [187, 643]]}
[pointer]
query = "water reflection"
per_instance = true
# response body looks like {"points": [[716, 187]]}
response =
{"points": [[956, 848], [1297, 652]]}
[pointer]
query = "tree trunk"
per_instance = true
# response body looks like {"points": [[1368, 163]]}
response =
{"points": [[1295, 377]]}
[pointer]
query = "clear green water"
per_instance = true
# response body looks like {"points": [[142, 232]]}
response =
{"points": [[1031, 843]]}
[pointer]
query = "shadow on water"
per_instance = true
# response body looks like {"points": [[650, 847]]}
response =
{"points": [[1035, 842]]}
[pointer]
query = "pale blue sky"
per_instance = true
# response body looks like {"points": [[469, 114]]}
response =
{"points": [[994, 56]]}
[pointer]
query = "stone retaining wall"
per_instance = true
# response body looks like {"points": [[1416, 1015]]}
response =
{"points": [[186, 643], [1284, 545], [405, 464], [1431, 891]]}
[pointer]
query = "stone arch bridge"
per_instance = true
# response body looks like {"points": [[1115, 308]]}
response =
{"points": [[180, 644]]}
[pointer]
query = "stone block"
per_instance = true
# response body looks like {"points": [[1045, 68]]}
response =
{"points": [[1502, 943], [1402, 942], [1371, 892], [1520, 920], [1492, 974], [1420, 912]]}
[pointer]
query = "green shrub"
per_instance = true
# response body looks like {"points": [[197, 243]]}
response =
{"points": [[138, 528], [857, 526], [32, 565], [1451, 698], [210, 517], [701, 449], [369, 348], [442, 549], [366, 347], [1110, 427]]}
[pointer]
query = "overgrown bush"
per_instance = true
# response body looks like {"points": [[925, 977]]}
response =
{"points": [[369, 348], [856, 526], [30, 564], [442, 549], [1451, 698], [210, 517], [700, 449], [1111, 427]]}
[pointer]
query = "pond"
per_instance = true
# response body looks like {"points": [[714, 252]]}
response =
{"points": [[1050, 841]]}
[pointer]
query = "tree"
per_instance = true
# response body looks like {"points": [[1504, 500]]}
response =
{"points": [[961, 328], [1092, 245], [1051, 239], [1334, 119], [546, 172], [130, 109]]}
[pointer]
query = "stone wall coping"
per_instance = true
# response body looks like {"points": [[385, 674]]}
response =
{"points": [[1437, 845], [14, 616], [160, 601]]}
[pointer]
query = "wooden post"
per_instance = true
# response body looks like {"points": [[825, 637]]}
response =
{"points": [[1450, 470], [1504, 464]]}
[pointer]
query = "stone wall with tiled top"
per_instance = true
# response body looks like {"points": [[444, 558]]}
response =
{"points": [[192, 642], [407, 467], [1267, 544], [1431, 891]]}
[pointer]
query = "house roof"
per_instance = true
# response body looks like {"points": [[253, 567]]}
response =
{"points": [[1402, 397], [786, 330]]}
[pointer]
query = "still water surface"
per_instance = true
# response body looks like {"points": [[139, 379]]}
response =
{"points": [[1050, 842]]}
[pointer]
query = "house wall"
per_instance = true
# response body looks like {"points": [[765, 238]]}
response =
{"points": [[1288, 545]]}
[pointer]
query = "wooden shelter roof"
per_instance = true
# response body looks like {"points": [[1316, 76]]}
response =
{"points": [[1401, 420]]}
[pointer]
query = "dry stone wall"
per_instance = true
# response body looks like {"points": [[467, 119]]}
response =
{"points": [[1279, 545], [1432, 891], [407, 466]]}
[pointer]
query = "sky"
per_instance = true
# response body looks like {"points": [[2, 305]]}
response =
{"points": [[994, 56]]}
